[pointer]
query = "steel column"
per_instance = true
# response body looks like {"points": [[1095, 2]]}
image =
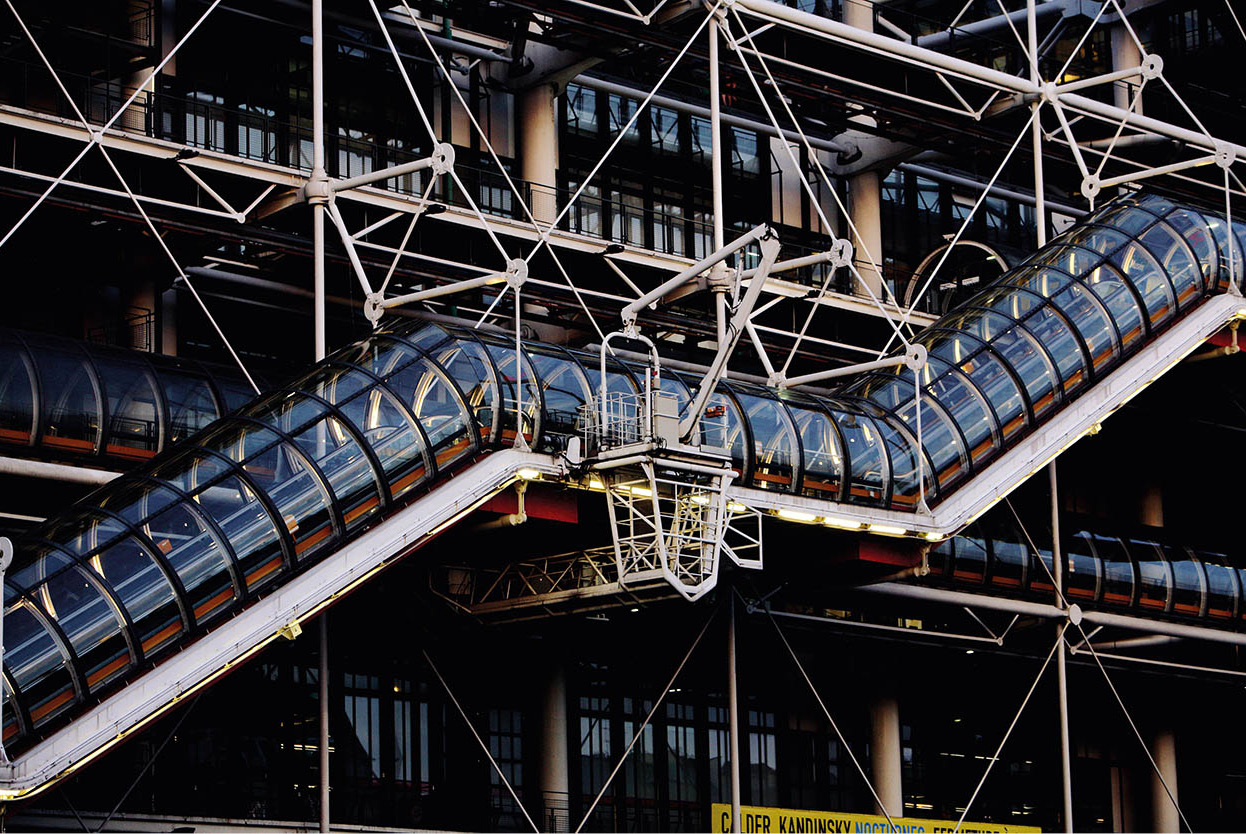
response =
{"points": [[1164, 813], [733, 716], [320, 344]]}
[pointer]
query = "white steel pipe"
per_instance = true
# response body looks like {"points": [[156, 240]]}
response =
{"points": [[847, 370], [794, 263], [938, 40], [383, 174], [445, 289], [631, 310]]}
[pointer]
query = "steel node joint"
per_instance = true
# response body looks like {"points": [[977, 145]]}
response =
{"points": [[841, 253], [915, 357], [1225, 155], [318, 190], [1152, 66], [374, 308], [443, 158], [516, 273]]}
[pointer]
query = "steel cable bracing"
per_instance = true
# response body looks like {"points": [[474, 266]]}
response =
{"points": [[813, 198], [829, 719], [476, 735], [95, 137], [1011, 726], [1064, 602], [641, 729], [502, 168], [623, 132]]}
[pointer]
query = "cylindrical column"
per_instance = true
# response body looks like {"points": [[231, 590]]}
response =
{"points": [[865, 188], [865, 205], [554, 776], [538, 147], [886, 755], [733, 718], [1164, 815], [1125, 55], [320, 346], [323, 703]]}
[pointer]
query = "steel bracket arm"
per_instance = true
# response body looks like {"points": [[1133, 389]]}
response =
{"points": [[735, 327], [633, 309], [441, 161]]}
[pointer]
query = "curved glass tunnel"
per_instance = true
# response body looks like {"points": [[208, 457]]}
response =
{"points": [[1146, 576], [81, 402], [154, 559]]}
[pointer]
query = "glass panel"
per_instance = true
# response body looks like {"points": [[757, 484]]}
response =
{"points": [[199, 560], [393, 436], [504, 359], [1116, 295], [969, 559], [190, 402], [247, 525], [566, 389], [17, 396], [1152, 285], [965, 406], [1193, 228], [1129, 220], [1155, 587], [191, 469], [39, 667], [988, 373], [905, 492], [288, 412], [235, 392], [137, 500], [1008, 563], [332, 383], [1012, 302], [436, 404], [145, 592], [1222, 590], [1097, 239], [1081, 579], [774, 443], [35, 562], [867, 477], [1053, 332], [301, 499], [133, 414], [1189, 581], [823, 463], [721, 427], [1229, 251], [942, 442], [472, 372], [345, 466], [1029, 362], [89, 622], [1118, 570], [1177, 260], [1074, 260], [1092, 322], [79, 534], [70, 406]]}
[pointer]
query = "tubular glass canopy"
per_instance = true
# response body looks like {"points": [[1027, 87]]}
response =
{"points": [[151, 561]]}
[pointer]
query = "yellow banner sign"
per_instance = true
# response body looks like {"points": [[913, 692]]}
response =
{"points": [[789, 821]]}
